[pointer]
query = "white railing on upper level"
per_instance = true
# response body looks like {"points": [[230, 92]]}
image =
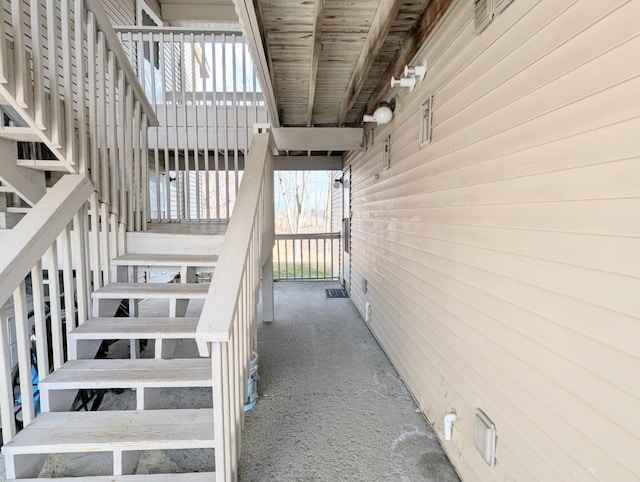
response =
{"points": [[207, 96], [70, 81], [228, 324]]}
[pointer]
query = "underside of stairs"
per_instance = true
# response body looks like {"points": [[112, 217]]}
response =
{"points": [[124, 435]]}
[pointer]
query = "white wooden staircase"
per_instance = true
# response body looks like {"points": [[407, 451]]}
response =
{"points": [[123, 434]]}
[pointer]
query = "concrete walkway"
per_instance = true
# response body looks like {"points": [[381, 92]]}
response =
{"points": [[331, 406]]}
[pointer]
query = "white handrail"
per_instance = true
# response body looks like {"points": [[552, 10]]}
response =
{"points": [[25, 244], [228, 324], [220, 306]]}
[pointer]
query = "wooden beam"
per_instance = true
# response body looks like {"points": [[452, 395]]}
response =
{"points": [[416, 37], [307, 163], [316, 47], [318, 138], [253, 28], [29, 240], [381, 24]]}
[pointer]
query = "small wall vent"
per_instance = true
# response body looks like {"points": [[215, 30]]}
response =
{"points": [[483, 14], [484, 437]]}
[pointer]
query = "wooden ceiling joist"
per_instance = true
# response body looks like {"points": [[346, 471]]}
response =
{"points": [[431, 15], [315, 57], [380, 26]]}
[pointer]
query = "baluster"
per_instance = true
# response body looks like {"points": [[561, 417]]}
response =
{"points": [[165, 104], [23, 344], [102, 120], [55, 119], [19, 62], [38, 69], [114, 178], [225, 127], [183, 84], [235, 113], [129, 129], [216, 145], [67, 69], [176, 151], [6, 393], [137, 179], [80, 261], [205, 95], [144, 188], [156, 150], [80, 23], [120, 146], [194, 108], [69, 288], [93, 108], [54, 306], [37, 293]]}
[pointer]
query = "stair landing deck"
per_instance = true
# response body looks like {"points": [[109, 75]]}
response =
{"points": [[152, 291], [124, 434]]}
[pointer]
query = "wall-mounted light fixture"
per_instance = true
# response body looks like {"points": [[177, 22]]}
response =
{"points": [[337, 183], [412, 75], [383, 114]]}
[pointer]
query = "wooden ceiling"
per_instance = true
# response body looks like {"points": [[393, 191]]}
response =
{"points": [[330, 61]]}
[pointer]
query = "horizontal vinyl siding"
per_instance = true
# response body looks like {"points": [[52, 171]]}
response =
{"points": [[121, 12], [503, 259]]}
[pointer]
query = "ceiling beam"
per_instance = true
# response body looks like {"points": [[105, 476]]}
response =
{"points": [[417, 36], [316, 47], [307, 163], [318, 138], [253, 29], [380, 25]]}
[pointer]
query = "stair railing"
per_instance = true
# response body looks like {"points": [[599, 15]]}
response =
{"points": [[227, 329], [67, 76], [74, 87], [51, 238]]}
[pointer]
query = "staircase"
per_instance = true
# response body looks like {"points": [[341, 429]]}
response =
{"points": [[65, 223], [124, 434]]}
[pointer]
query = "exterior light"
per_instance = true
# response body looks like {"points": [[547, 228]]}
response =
{"points": [[383, 114]]}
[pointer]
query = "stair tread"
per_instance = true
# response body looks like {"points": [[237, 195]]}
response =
{"points": [[133, 259], [152, 290], [64, 432], [21, 134], [135, 328], [146, 373], [189, 477]]}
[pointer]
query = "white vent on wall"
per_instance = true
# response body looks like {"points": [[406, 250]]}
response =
{"points": [[484, 437], [483, 14], [425, 121]]}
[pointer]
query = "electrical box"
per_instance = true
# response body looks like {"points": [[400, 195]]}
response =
{"points": [[484, 437]]}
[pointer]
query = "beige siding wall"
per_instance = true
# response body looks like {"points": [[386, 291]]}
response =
{"points": [[503, 259], [121, 12]]}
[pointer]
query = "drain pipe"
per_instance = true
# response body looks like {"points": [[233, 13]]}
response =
{"points": [[449, 418]]}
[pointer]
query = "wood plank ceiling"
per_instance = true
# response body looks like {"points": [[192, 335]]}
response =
{"points": [[331, 60]]}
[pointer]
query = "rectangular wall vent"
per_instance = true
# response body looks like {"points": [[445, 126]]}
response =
{"points": [[500, 5], [483, 14], [484, 437], [426, 115]]}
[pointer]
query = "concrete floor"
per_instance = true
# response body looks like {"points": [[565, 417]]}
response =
{"points": [[331, 407]]}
